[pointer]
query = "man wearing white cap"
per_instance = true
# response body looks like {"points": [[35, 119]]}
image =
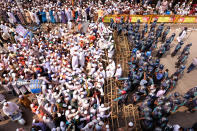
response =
{"points": [[81, 58], [75, 61], [118, 73], [9, 108], [110, 69]]}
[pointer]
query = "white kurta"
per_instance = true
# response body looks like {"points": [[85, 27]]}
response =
{"points": [[118, 72], [81, 59], [182, 36], [75, 62]]}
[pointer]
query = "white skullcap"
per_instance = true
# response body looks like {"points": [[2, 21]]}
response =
{"points": [[85, 112], [69, 107], [44, 118], [50, 86], [58, 100], [31, 105], [73, 110], [37, 112], [107, 126], [130, 124], [62, 124], [59, 114], [67, 112], [5, 103], [98, 118]]}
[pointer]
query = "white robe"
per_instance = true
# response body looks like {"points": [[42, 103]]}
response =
{"points": [[118, 72], [75, 62], [111, 71], [81, 59], [182, 36]]}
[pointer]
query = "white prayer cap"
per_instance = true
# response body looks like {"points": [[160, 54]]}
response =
{"points": [[62, 88], [73, 110], [50, 86], [67, 90], [59, 114], [69, 107], [107, 126], [130, 124], [102, 105], [44, 118], [31, 105], [81, 89], [64, 105], [34, 120], [101, 123], [37, 112], [85, 101], [58, 100], [5, 103], [85, 112], [77, 117], [62, 124]]}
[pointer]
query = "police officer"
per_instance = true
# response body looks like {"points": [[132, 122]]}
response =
{"points": [[186, 48], [165, 33], [182, 59], [177, 48]]}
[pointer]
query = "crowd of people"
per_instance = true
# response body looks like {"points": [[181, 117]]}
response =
{"points": [[37, 12], [148, 79], [72, 64]]}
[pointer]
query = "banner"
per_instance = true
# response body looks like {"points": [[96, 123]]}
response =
{"points": [[21, 30], [107, 19], [164, 19], [187, 19], [143, 19], [134, 18], [35, 86], [151, 18]]}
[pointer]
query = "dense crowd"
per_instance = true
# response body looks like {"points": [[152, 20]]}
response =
{"points": [[36, 12], [72, 60]]}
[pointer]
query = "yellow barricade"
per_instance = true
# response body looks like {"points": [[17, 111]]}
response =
{"points": [[164, 18], [187, 19], [151, 18]]}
